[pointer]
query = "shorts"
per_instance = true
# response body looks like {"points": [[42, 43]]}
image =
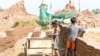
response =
{"points": [[55, 43], [70, 44]]}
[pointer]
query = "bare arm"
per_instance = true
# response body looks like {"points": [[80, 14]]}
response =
{"points": [[56, 32], [81, 32]]}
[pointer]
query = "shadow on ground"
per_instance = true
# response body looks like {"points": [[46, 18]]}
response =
{"points": [[21, 54]]}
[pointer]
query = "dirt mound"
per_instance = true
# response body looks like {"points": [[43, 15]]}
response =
{"points": [[88, 19], [15, 12], [68, 8]]}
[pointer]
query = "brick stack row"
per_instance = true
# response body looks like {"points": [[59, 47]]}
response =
{"points": [[13, 36], [87, 48]]}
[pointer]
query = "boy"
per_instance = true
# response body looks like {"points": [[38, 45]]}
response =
{"points": [[55, 36], [72, 35]]}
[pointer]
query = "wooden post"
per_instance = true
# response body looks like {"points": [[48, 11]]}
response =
{"points": [[25, 48]]}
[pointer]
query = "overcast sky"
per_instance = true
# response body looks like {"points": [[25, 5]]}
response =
{"points": [[32, 6]]}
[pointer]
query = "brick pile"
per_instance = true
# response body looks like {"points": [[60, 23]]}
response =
{"points": [[36, 32], [63, 32], [13, 36], [86, 47]]}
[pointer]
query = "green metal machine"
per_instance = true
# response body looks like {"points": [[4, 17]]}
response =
{"points": [[46, 18]]}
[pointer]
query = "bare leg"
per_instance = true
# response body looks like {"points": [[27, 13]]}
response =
{"points": [[57, 53], [73, 52], [66, 52]]}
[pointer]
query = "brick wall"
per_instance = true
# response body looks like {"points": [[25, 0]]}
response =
{"points": [[85, 47], [13, 36]]}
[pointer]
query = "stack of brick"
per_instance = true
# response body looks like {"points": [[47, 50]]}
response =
{"points": [[62, 39], [13, 36], [63, 32], [86, 47], [37, 32]]}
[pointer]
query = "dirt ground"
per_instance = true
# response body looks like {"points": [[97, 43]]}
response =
{"points": [[17, 50], [93, 34]]}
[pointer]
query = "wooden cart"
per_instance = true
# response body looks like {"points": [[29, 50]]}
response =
{"points": [[38, 47]]}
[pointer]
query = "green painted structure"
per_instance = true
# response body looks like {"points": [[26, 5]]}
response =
{"points": [[46, 18]]}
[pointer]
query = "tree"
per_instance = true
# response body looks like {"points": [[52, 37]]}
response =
{"points": [[1, 9], [96, 11]]}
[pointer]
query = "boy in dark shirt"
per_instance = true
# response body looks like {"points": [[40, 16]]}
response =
{"points": [[72, 35]]}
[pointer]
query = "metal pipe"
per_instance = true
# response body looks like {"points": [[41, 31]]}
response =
{"points": [[79, 4], [42, 1]]}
